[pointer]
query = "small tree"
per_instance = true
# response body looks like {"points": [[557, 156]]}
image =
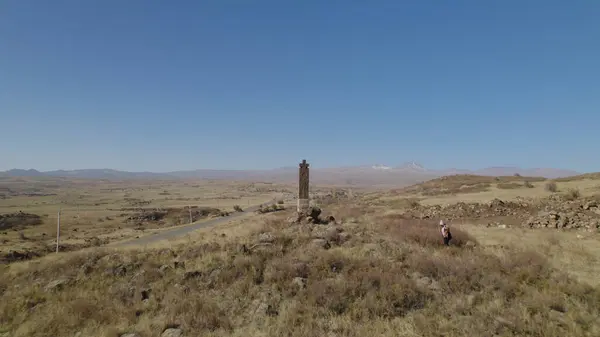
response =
{"points": [[551, 187], [528, 184], [237, 208], [572, 194]]}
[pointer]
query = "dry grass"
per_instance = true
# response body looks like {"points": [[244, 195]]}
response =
{"points": [[383, 276], [97, 211], [577, 253], [572, 194], [586, 187], [512, 185], [465, 183], [470, 188], [586, 176]]}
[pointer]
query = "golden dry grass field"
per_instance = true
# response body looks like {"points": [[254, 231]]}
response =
{"points": [[95, 212], [376, 271]]}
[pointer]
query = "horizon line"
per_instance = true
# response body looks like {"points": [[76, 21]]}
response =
{"points": [[293, 167]]}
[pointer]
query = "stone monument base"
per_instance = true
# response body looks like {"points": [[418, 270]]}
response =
{"points": [[303, 205]]}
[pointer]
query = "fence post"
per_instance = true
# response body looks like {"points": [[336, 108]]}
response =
{"points": [[190, 210], [58, 230]]}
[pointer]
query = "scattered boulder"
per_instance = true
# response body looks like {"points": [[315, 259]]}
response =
{"points": [[192, 274], [312, 215], [299, 282], [296, 219], [266, 238], [314, 212], [343, 237], [262, 209], [172, 332], [56, 285], [425, 282], [321, 243]]}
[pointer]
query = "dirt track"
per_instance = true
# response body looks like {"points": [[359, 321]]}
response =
{"points": [[182, 230]]}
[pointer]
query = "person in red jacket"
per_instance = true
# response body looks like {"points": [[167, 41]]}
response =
{"points": [[445, 233]]}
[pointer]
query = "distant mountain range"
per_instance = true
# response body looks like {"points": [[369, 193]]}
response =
{"points": [[373, 175]]}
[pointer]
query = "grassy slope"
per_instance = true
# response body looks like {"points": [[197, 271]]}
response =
{"points": [[464, 183], [383, 276], [470, 188]]}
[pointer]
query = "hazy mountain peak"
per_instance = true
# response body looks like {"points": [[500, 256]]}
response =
{"points": [[381, 167], [368, 175], [411, 165], [24, 173]]}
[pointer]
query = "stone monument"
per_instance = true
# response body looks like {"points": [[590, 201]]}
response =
{"points": [[303, 184]]}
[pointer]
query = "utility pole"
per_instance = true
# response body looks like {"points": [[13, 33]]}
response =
{"points": [[58, 230]]}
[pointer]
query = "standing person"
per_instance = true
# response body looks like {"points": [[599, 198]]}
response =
{"points": [[445, 233]]}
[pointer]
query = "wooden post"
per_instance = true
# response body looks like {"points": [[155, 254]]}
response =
{"points": [[58, 230], [190, 210]]}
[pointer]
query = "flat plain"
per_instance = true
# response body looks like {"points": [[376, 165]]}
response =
{"points": [[97, 212]]}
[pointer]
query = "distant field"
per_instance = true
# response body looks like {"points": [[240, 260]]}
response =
{"points": [[467, 188], [96, 212]]}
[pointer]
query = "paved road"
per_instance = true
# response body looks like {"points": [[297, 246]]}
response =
{"points": [[180, 231]]}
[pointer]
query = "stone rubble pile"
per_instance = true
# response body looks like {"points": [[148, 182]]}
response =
{"points": [[312, 215], [330, 196], [556, 211], [462, 210], [578, 214]]}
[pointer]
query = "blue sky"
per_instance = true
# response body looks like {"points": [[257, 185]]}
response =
{"points": [[170, 85]]}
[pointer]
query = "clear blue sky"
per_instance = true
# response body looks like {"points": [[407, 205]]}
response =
{"points": [[169, 85]]}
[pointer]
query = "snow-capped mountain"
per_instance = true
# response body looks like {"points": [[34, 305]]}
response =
{"points": [[413, 166]]}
